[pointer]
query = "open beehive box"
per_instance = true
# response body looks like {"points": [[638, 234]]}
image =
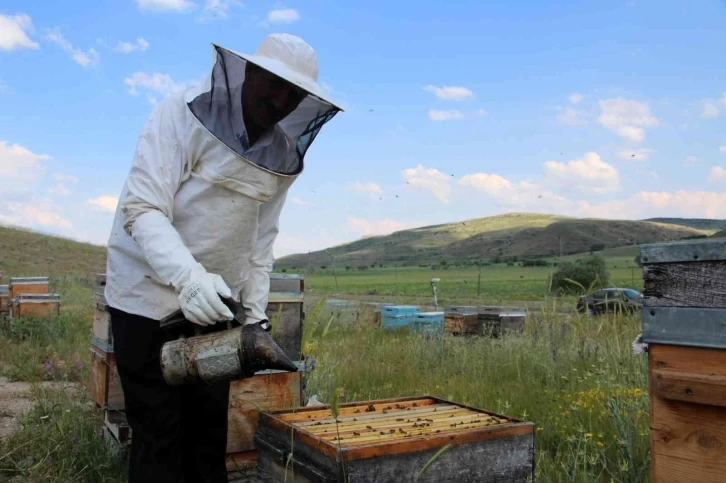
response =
{"points": [[391, 441]]}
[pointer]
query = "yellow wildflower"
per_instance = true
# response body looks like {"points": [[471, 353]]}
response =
{"points": [[600, 444], [588, 435]]}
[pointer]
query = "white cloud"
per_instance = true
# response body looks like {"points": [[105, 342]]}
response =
{"points": [[710, 110], [155, 82], [283, 16], [638, 154], [141, 44], [722, 149], [572, 117], [648, 204], [430, 179], [690, 160], [105, 203], [437, 115], [450, 93], [61, 189], [492, 184], [627, 118], [84, 59], [589, 174], [14, 31], [19, 163], [34, 213], [365, 227], [165, 5], [372, 188], [299, 201], [717, 172], [4, 87], [481, 112], [575, 97]]}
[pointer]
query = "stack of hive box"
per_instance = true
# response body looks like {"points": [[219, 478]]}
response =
{"points": [[29, 296], [265, 390], [684, 309], [492, 321], [4, 302]]}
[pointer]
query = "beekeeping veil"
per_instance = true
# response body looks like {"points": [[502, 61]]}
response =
{"points": [[217, 102]]}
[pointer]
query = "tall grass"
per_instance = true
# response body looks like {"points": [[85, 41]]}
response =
{"points": [[574, 376]]}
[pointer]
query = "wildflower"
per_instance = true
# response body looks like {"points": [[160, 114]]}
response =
{"points": [[588, 435], [599, 443]]}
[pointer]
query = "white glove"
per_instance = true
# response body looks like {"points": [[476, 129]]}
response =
{"points": [[199, 298]]}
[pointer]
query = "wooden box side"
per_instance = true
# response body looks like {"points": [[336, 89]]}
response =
{"points": [[38, 309], [102, 325], [287, 319], [4, 303], [504, 457], [98, 377], [687, 417], [29, 288], [247, 396]]}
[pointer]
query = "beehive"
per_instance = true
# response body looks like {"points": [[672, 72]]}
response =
{"points": [[684, 309], [428, 323], [397, 316], [461, 323], [389, 441], [28, 285], [36, 305], [285, 312], [101, 314], [4, 299], [104, 384]]}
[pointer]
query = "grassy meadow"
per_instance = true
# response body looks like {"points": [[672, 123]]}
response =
{"points": [[573, 376], [459, 284]]}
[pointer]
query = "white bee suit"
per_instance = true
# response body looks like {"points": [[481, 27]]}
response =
{"points": [[198, 198]]}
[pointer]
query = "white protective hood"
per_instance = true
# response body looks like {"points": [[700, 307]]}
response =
{"points": [[198, 197]]}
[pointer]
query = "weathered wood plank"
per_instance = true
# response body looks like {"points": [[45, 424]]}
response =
{"points": [[692, 388], [687, 359], [694, 435], [698, 284], [688, 441]]}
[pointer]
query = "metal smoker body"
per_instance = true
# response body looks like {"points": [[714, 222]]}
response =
{"points": [[235, 353]]}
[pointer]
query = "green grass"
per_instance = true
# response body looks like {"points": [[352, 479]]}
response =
{"points": [[574, 377], [459, 284]]}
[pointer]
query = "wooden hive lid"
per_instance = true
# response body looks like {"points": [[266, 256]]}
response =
{"points": [[368, 429], [28, 280], [37, 297]]}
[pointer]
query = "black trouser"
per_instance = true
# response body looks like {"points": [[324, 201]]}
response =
{"points": [[178, 433]]}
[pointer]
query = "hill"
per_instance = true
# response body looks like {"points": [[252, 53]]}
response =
{"points": [[516, 234], [703, 224], [27, 253]]}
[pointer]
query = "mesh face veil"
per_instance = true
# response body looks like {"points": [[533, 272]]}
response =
{"points": [[217, 104]]}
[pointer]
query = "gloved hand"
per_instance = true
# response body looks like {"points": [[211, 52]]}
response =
{"points": [[199, 298]]}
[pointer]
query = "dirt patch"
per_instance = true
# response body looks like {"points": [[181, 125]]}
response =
{"points": [[16, 400]]}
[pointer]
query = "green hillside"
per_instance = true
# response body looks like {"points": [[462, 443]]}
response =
{"points": [[704, 224], [27, 253], [515, 234]]}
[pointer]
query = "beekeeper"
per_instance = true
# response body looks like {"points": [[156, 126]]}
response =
{"points": [[197, 219]]}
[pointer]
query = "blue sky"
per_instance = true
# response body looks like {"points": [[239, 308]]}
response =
{"points": [[456, 110]]}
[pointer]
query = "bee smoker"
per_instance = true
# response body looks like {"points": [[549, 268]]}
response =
{"points": [[227, 355]]}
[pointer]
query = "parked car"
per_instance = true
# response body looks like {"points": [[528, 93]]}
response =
{"points": [[610, 300]]}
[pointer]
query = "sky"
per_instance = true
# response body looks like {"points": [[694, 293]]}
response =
{"points": [[612, 109]]}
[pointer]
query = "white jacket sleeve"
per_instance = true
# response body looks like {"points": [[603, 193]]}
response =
{"points": [[256, 290], [161, 163]]}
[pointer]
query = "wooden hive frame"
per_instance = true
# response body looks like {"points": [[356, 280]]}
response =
{"points": [[370, 433]]}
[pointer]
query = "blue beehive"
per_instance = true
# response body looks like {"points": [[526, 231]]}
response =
{"points": [[428, 322], [397, 316], [399, 310]]}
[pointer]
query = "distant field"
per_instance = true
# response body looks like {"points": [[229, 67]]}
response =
{"points": [[498, 282]]}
